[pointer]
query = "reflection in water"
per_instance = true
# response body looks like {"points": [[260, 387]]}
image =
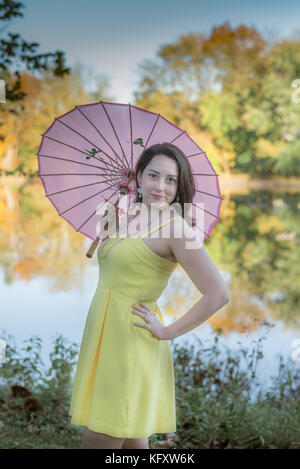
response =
{"points": [[256, 247], [35, 241]]}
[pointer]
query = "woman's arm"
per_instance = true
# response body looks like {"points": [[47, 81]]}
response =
{"points": [[205, 276]]}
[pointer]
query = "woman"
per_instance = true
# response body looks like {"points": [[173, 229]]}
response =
{"points": [[124, 387]]}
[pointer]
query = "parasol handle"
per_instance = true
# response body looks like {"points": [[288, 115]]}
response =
{"points": [[94, 244], [92, 248]]}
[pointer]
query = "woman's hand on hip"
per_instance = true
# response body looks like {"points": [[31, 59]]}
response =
{"points": [[153, 324]]}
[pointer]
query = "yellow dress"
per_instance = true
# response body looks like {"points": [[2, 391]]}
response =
{"points": [[124, 381]]}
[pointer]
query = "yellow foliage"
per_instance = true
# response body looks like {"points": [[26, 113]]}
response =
{"points": [[30, 84], [265, 148], [47, 97], [2, 148], [267, 223], [3, 212], [11, 139], [25, 269], [228, 211]]}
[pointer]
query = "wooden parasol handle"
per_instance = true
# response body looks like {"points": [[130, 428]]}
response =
{"points": [[92, 248]]}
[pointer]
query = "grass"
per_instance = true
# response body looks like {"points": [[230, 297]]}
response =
{"points": [[214, 398]]}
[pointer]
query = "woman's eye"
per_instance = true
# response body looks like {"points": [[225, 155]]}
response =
{"points": [[170, 179]]}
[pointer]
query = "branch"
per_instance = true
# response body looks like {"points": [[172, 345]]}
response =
{"points": [[9, 9]]}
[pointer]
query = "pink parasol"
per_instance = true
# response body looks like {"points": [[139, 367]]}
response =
{"points": [[87, 158]]}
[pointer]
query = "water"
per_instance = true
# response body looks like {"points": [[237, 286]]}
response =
{"points": [[33, 310]]}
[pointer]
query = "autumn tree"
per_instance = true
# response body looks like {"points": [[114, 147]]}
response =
{"points": [[239, 87], [46, 98]]}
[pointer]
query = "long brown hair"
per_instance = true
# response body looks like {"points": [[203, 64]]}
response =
{"points": [[186, 185]]}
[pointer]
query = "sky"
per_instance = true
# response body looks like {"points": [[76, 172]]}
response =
{"points": [[113, 37]]}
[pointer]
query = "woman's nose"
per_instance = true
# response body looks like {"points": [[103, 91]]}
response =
{"points": [[160, 186]]}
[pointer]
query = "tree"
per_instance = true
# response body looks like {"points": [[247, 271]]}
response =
{"points": [[229, 58], [239, 87], [46, 98], [14, 50]]}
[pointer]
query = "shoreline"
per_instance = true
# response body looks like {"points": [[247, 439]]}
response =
{"points": [[243, 184], [229, 184]]}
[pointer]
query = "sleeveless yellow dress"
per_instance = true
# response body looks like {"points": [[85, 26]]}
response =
{"points": [[124, 381]]}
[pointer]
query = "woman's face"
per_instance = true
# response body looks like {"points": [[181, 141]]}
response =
{"points": [[160, 177]]}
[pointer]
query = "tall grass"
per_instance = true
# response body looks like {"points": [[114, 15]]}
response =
{"points": [[214, 398]]}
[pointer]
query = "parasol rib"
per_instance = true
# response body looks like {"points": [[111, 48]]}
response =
{"points": [[152, 131], [131, 145], [61, 213], [194, 154], [179, 135], [202, 174], [212, 195], [115, 132], [77, 187], [212, 214], [71, 174], [77, 162], [202, 231]]}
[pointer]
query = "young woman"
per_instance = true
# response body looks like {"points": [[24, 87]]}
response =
{"points": [[124, 388]]}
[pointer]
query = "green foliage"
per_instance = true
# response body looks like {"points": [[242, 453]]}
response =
{"points": [[213, 398], [35, 401], [215, 406], [267, 263], [242, 87], [288, 161]]}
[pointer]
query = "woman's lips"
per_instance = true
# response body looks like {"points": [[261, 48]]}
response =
{"points": [[158, 196]]}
